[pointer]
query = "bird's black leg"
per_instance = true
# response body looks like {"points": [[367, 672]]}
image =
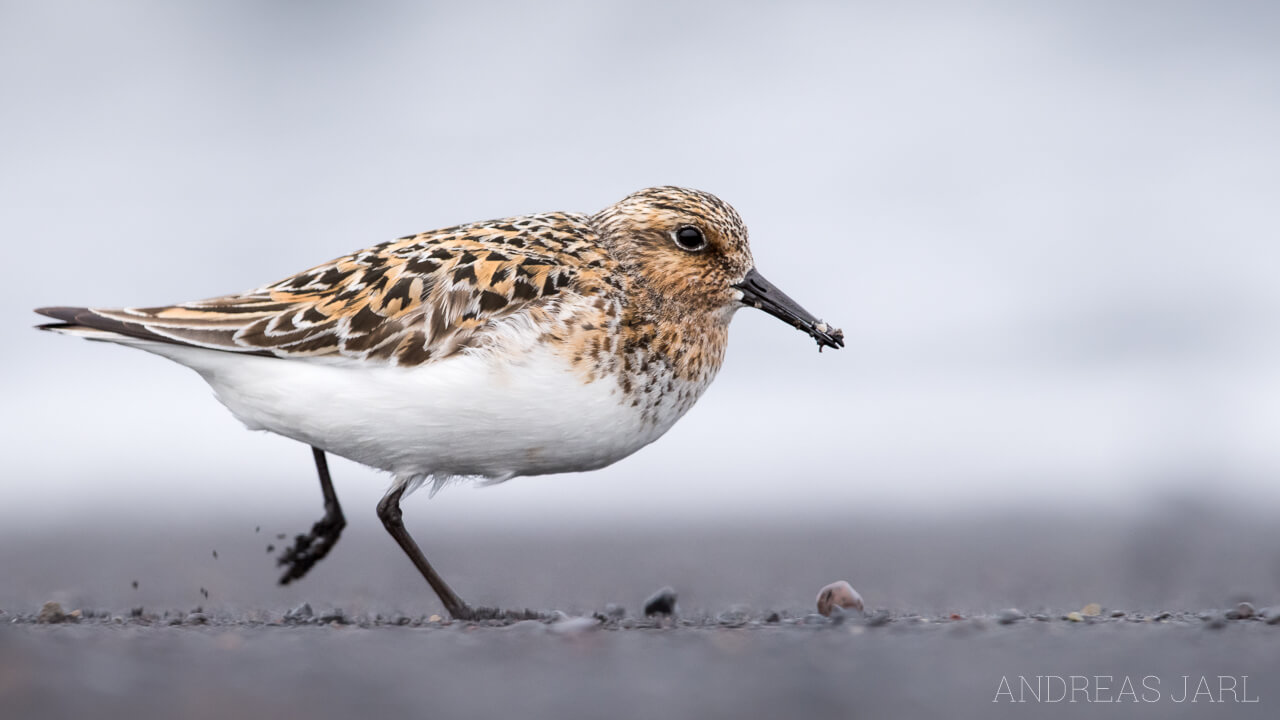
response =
{"points": [[389, 513], [308, 549]]}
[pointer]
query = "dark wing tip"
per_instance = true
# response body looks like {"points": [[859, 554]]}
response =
{"points": [[67, 315], [82, 317]]}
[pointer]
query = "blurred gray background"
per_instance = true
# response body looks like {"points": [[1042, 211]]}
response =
{"points": [[1049, 231]]}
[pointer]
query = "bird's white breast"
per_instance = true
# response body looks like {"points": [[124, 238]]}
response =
{"points": [[482, 414]]}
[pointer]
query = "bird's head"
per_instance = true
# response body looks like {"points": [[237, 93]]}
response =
{"points": [[690, 250]]}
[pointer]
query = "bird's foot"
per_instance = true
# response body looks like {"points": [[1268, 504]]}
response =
{"points": [[309, 549]]}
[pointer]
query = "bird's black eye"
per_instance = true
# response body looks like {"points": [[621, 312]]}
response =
{"points": [[690, 238]]}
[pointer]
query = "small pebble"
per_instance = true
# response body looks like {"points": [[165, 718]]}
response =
{"points": [[838, 594], [434, 619], [51, 612], [736, 616], [774, 617], [878, 618], [662, 602], [1075, 617], [1040, 616], [197, 618], [334, 616], [1091, 610], [1117, 613], [300, 613], [573, 625], [1243, 611], [1272, 615], [1163, 615], [1010, 616]]}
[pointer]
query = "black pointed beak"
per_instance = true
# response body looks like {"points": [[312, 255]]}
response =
{"points": [[760, 293]]}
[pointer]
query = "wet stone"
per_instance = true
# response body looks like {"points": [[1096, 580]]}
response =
{"points": [[334, 616], [574, 625], [302, 613], [877, 618], [733, 617], [1243, 611], [662, 602], [613, 611], [1010, 616]]}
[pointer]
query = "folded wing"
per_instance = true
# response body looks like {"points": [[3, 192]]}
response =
{"points": [[407, 302]]}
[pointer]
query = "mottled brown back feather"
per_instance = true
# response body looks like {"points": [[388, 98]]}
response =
{"points": [[407, 302]]}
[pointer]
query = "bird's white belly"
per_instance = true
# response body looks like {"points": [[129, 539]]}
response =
{"points": [[479, 415]]}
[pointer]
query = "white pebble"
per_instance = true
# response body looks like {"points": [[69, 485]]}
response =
{"points": [[838, 594], [574, 626]]}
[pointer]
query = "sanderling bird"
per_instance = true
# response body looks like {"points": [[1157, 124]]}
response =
{"points": [[547, 343]]}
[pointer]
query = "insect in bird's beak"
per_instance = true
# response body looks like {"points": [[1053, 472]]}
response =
{"points": [[761, 294]]}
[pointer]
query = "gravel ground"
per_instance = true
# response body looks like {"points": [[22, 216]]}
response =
{"points": [[954, 608]]}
